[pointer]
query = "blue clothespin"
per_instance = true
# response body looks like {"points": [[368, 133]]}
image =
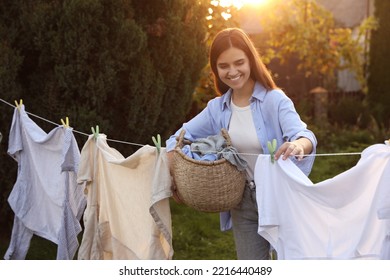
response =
{"points": [[65, 123], [157, 142], [272, 149], [95, 132]]}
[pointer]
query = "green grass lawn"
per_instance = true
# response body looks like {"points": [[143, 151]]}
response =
{"points": [[330, 166], [40, 249], [197, 235]]}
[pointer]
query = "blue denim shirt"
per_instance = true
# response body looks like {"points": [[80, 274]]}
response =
{"points": [[274, 117]]}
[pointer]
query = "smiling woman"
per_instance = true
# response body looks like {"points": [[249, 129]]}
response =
{"points": [[253, 111]]}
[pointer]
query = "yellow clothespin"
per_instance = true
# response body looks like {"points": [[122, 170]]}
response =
{"points": [[65, 124], [95, 132], [19, 105], [157, 142]]}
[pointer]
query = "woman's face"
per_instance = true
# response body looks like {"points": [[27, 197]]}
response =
{"points": [[234, 68]]}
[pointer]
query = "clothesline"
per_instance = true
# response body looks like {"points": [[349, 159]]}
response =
{"points": [[141, 145], [79, 132], [314, 155]]}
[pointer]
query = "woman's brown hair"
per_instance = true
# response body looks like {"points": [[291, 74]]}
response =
{"points": [[235, 37]]}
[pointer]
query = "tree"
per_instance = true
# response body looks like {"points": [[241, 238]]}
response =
{"points": [[306, 31], [219, 18], [128, 66], [177, 48], [378, 79]]}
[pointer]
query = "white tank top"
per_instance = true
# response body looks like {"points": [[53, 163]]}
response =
{"points": [[243, 135]]}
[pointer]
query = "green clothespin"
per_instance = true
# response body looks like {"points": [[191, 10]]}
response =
{"points": [[95, 132], [157, 142], [272, 149]]}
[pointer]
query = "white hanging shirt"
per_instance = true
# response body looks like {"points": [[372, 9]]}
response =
{"points": [[128, 214], [345, 217], [46, 199]]}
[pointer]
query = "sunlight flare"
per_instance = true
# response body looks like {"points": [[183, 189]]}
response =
{"points": [[240, 3]]}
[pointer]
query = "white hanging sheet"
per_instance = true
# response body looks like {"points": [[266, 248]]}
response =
{"points": [[345, 217]]}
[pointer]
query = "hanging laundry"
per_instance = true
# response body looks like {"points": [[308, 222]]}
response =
{"points": [[46, 199], [345, 217], [128, 214], [384, 211]]}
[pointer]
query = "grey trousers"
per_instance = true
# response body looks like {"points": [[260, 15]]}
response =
{"points": [[249, 244]]}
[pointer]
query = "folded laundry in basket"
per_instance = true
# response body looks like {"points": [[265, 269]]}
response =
{"points": [[213, 148]]}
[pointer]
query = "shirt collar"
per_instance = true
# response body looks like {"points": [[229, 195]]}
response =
{"points": [[226, 99], [259, 93]]}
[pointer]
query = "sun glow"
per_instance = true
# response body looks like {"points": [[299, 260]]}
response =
{"points": [[240, 3]]}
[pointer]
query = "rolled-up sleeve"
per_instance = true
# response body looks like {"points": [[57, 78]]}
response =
{"points": [[206, 123], [294, 128]]}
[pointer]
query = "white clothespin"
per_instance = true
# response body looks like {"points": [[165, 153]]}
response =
{"points": [[387, 142]]}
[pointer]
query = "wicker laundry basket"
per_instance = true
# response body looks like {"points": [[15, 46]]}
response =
{"points": [[207, 186]]}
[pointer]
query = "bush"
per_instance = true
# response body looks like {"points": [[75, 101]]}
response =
{"points": [[348, 111], [342, 139]]}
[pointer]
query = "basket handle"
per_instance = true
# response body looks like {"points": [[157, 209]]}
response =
{"points": [[225, 135], [180, 140]]}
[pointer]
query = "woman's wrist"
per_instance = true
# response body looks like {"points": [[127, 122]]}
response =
{"points": [[305, 144]]}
